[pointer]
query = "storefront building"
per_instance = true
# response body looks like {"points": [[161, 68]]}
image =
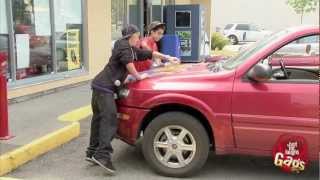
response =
{"points": [[54, 43]]}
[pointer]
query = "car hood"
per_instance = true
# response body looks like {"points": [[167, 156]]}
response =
{"points": [[182, 79], [179, 74], [179, 70]]}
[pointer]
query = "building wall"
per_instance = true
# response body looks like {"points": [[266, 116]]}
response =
{"points": [[99, 36], [183, 1], [97, 45], [270, 14]]}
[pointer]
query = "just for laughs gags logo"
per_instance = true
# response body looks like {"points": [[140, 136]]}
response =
{"points": [[290, 153]]}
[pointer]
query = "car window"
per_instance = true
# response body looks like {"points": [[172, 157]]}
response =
{"points": [[300, 61], [301, 46], [229, 26], [254, 28], [244, 55], [242, 27], [308, 39]]}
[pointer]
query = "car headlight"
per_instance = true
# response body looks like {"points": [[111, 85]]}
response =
{"points": [[123, 93]]}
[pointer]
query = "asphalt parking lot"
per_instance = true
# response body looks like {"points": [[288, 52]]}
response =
{"points": [[67, 162]]}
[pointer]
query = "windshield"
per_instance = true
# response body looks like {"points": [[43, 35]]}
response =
{"points": [[235, 61]]}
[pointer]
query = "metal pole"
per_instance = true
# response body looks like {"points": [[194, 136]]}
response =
{"points": [[54, 59], [12, 51]]}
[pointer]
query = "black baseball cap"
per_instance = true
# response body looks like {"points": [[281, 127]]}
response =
{"points": [[129, 30]]}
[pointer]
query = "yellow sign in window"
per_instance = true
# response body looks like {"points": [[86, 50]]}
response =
{"points": [[73, 49]]}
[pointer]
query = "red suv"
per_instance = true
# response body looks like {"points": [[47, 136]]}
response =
{"points": [[237, 106]]}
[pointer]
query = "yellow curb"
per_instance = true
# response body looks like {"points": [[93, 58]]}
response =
{"points": [[76, 115], [8, 178], [11, 160]]}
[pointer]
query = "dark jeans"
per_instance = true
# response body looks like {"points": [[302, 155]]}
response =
{"points": [[104, 124]]}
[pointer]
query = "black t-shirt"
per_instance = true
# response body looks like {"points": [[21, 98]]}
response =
{"points": [[122, 54]]}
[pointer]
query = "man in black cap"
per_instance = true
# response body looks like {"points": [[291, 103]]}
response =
{"points": [[104, 122]]}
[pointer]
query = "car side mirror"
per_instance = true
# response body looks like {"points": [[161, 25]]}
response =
{"points": [[260, 72]]}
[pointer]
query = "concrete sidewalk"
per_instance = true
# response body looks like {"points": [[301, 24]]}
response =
{"points": [[36, 120]]}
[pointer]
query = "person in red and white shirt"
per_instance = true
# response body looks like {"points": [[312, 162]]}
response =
{"points": [[155, 33]]}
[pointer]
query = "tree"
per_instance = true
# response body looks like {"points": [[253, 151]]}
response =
{"points": [[303, 6]]}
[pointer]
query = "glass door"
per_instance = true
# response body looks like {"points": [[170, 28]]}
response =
{"points": [[68, 35], [157, 10], [135, 13], [4, 38], [32, 32]]}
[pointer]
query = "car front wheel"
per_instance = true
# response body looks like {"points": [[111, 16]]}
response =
{"points": [[175, 144]]}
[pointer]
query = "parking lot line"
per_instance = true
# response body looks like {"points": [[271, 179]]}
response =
{"points": [[12, 160], [76, 115], [8, 178]]}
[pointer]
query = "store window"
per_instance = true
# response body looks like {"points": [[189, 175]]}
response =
{"points": [[136, 13], [169, 2], [46, 37], [118, 20], [32, 32], [157, 10], [4, 37], [68, 34]]}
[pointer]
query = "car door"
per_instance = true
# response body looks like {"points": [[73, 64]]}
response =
{"points": [[242, 31], [254, 33], [263, 111]]}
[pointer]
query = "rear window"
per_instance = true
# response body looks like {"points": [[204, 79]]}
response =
{"points": [[243, 27], [229, 26]]}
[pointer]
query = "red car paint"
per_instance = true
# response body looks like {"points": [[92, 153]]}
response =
{"points": [[245, 117], [4, 127]]}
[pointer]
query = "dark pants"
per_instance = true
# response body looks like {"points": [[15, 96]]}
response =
{"points": [[104, 124]]}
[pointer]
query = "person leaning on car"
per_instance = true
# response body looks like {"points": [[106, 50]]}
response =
{"points": [[104, 120]]}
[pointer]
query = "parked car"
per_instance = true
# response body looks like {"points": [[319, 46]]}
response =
{"points": [[242, 105], [307, 45], [244, 32]]}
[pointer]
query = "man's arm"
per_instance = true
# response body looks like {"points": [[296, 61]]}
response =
{"points": [[146, 54], [132, 70], [171, 59], [127, 60]]}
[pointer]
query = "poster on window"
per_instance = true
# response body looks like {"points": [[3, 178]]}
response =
{"points": [[185, 42], [73, 49], [23, 51]]}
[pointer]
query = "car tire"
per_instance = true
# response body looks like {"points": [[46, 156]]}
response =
{"points": [[195, 144], [233, 39]]}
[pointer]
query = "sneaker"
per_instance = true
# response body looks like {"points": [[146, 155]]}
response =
{"points": [[89, 158], [105, 164]]}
